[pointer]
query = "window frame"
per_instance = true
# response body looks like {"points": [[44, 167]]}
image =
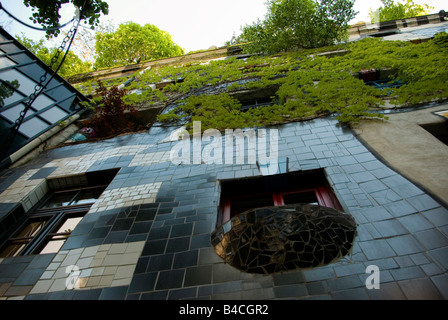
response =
{"points": [[323, 192], [54, 218]]}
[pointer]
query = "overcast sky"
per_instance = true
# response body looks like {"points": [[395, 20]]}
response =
{"points": [[193, 24]]}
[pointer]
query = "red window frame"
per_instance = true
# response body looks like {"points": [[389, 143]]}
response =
{"points": [[322, 192]]}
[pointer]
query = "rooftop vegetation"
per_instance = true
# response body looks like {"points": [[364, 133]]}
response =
{"points": [[306, 84]]}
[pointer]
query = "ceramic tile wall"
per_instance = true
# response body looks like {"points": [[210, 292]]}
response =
{"points": [[401, 229]]}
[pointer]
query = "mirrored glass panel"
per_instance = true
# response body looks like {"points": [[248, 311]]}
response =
{"points": [[33, 127], [54, 114]]}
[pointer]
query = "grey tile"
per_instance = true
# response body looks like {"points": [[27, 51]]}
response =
{"points": [[351, 294], [437, 216], [389, 228], [373, 186], [376, 214], [440, 255], [441, 282], [170, 279], [387, 291], [423, 202], [415, 222], [431, 239], [407, 273], [200, 275], [347, 282], [377, 249], [400, 208], [420, 289], [405, 244], [291, 291]]}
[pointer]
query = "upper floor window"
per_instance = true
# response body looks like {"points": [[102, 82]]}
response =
{"points": [[47, 227], [291, 188]]}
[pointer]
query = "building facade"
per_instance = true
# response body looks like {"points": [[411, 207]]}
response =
{"points": [[119, 219]]}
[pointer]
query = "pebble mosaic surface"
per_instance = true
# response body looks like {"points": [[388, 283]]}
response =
{"points": [[278, 239]]}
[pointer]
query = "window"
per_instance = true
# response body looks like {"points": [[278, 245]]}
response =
{"points": [[47, 227], [438, 130], [298, 187]]}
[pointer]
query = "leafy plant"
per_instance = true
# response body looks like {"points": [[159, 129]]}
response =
{"points": [[132, 43], [395, 11], [113, 116], [292, 24]]}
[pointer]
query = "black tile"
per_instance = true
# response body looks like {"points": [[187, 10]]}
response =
{"points": [[181, 230], [146, 214], [186, 293], [140, 227], [98, 233], [93, 294], [160, 262], [170, 279], [290, 291], [185, 259], [114, 293], [142, 265], [159, 233], [154, 247], [178, 244], [122, 224], [116, 237], [143, 282], [43, 173], [200, 241], [157, 295]]}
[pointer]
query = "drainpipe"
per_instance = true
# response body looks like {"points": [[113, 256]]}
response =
{"points": [[5, 163]]}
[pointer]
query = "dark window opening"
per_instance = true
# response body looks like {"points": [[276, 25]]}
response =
{"points": [[47, 227], [257, 98], [278, 190], [438, 130]]}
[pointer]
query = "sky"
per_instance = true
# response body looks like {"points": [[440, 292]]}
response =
{"points": [[193, 24]]}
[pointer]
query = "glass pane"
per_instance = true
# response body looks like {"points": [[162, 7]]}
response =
{"points": [[31, 229], [41, 102], [6, 62], [14, 249], [60, 199], [26, 85], [33, 127], [302, 197], [241, 205], [11, 97], [69, 225], [54, 245], [13, 113], [88, 196], [54, 114]]}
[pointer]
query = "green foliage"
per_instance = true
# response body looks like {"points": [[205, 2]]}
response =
{"points": [[72, 64], [292, 24], [395, 11], [132, 43], [305, 84], [6, 90], [441, 39], [46, 12]]}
